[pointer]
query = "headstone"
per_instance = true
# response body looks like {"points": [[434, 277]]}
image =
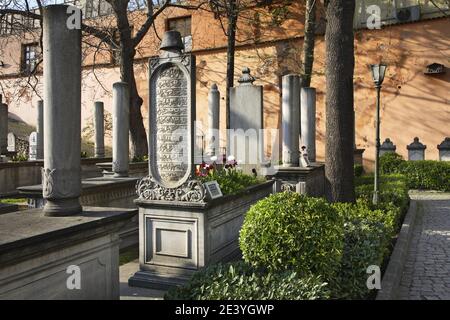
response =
{"points": [[61, 178], [308, 121], [12, 142], [121, 126], [304, 158], [387, 146], [172, 116], [444, 150], [245, 140], [32, 155], [290, 123], [213, 139], [40, 130], [3, 127], [99, 128], [416, 150]]}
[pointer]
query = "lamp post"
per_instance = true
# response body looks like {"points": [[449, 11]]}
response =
{"points": [[378, 71]]}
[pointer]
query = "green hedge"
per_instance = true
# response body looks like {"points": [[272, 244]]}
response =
{"points": [[287, 230], [232, 181], [367, 237], [240, 281], [428, 175], [368, 232]]}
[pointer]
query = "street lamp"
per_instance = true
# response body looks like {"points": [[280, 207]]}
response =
{"points": [[378, 71]]}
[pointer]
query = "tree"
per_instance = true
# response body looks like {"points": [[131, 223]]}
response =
{"points": [[340, 62], [125, 44], [308, 43]]}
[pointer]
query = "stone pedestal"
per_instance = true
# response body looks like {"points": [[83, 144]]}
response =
{"points": [[308, 121], [62, 114], [40, 131], [245, 139], [444, 150], [309, 180], [3, 128], [121, 126], [40, 255], [387, 146], [179, 238], [213, 138], [416, 150], [290, 123]]}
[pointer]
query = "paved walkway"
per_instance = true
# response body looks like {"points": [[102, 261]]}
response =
{"points": [[426, 273], [133, 293]]}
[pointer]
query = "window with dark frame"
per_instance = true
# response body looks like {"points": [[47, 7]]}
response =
{"points": [[30, 57], [184, 26]]}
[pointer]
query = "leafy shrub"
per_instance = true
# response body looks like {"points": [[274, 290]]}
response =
{"points": [[366, 243], [139, 159], [359, 170], [368, 231], [428, 175], [391, 162], [288, 230], [232, 181], [239, 281]]}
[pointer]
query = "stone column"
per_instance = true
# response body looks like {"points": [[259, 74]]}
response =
{"points": [[290, 124], [99, 126], [40, 130], [121, 125], [213, 121], [3, 127], [61, 177], [308, 121]]}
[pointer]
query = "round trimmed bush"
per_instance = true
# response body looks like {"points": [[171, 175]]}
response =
{"points": [[291, 231]]}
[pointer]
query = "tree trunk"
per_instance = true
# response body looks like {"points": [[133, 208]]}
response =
{"points": [[308, 42], [139, 145], [232, 22], [340, 63]]}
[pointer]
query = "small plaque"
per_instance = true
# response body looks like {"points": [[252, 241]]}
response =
{"points": [[213, 189]]}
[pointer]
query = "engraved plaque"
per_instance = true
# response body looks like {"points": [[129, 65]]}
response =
{"points": [[171, 122]]}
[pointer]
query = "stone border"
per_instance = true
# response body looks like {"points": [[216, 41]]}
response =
{"points": [[393, 274]]}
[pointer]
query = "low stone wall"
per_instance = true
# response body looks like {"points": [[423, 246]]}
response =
{"points": [[99, 192], [177, 238], [40, 256], [28, 173]]}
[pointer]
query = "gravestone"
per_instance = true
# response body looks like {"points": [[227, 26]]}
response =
{"points": [[99, 129], [40, 130], [12, 142], [387, 146], [213, 139], [444, 150], [121, 144], [32, 155], [290, 125], [308, 121], [61, 175], [245, 139], [171, 122], [3, 127], [416, 150]]}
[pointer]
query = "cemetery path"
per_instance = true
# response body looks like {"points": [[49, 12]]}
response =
{"points": [[426, 272]]}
